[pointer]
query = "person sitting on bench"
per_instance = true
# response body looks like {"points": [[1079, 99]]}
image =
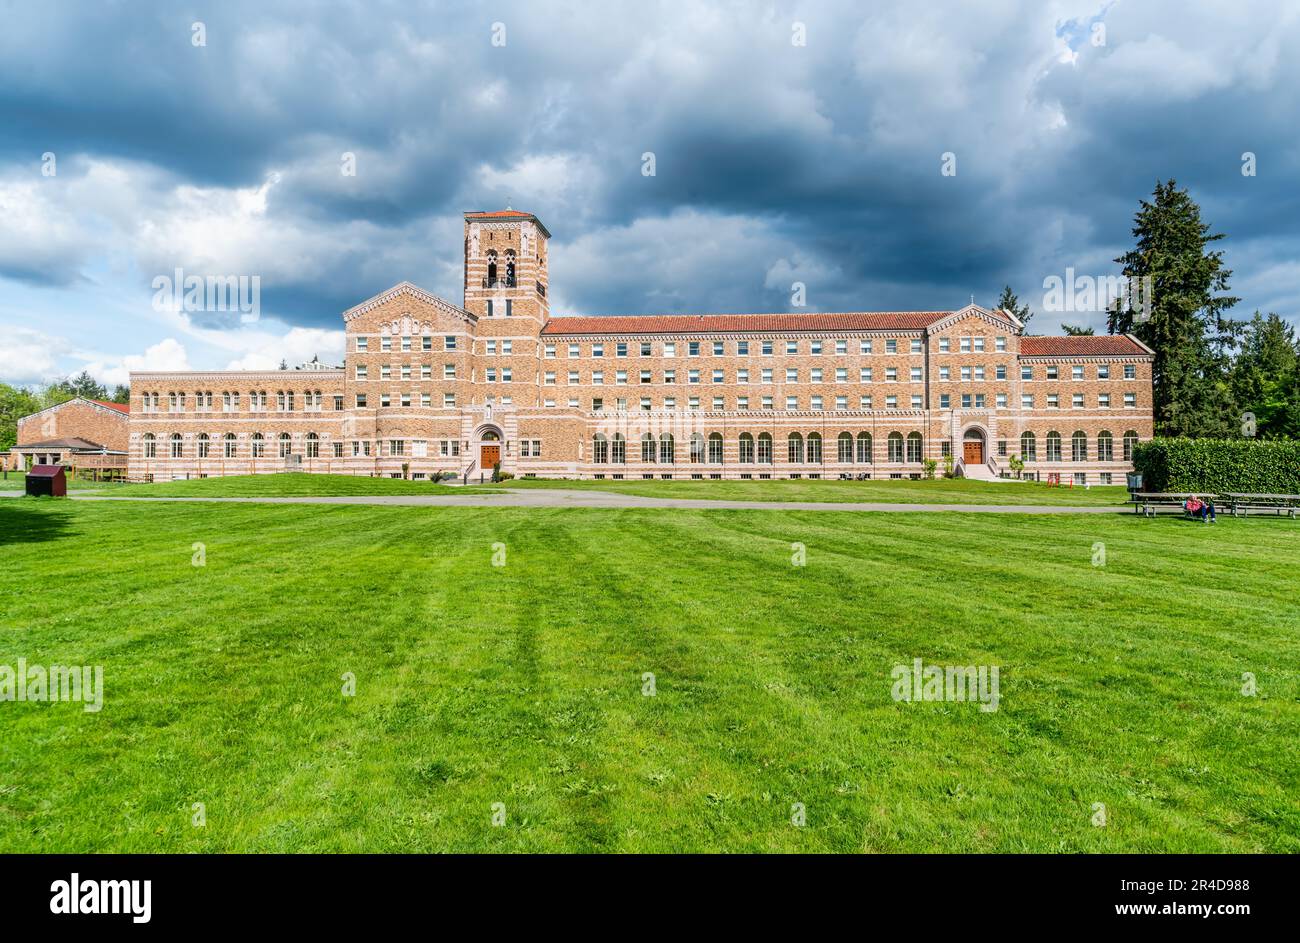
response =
{"points": [[1198, 508]]}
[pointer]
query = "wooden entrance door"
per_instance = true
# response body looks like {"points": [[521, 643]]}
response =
{"points": [[973, 452], [489, 455]]}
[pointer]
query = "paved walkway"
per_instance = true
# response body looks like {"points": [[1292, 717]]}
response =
{"points": [[559, 498]]}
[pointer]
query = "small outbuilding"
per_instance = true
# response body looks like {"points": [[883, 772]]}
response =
{"points": [[47, 481]]}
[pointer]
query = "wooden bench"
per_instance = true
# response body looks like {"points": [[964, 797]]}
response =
{"points": [[1241, 504], [1149, 503]]}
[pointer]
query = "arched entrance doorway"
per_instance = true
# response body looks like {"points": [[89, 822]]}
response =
{"points": [[972, 446], [489, 450]]}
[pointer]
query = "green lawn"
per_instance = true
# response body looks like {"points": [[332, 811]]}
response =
{"points": [[290, 484], [17, 482], [894, 491], [940, 491], [522, 684]]}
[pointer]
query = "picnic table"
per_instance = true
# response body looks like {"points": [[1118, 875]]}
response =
{"points": [[1242, 503], [1147, 503]]}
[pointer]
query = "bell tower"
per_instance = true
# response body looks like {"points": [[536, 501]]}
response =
{"points": [[505, 268]]}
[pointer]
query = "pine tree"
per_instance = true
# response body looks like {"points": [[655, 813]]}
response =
{"points": [[1265, 377], [1184, 322], [1010, 303], [1073, 330]]}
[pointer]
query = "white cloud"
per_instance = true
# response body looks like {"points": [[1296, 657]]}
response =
{"points": [[168, 354], [298, 346], [28, 356]]}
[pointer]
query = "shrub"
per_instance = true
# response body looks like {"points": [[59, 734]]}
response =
{"points": [[1261, 466], [929, 464]]}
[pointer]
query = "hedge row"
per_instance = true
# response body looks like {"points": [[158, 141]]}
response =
{"points": [[1259, 466]]}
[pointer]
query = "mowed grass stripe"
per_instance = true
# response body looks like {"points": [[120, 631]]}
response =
{"points": [[527, 691]]}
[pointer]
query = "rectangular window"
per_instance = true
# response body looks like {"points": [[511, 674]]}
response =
{"points": [[891, 346], [742, 348], [645, 349], [945, 345], [363, 343], [864, 347], [717, 348], [1103, 371], [449, 342], [1130, 400], [1130, 371], [945, 401], [693, 348], [916, 345]]}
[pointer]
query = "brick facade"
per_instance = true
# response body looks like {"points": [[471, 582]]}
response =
{"points": [[71, 433], [429, 386]]}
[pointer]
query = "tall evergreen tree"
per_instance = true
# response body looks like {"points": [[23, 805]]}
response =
{"points": [[1010, 303], [1184, 322], [1073, 330], [1265, 377], [87, 387]]}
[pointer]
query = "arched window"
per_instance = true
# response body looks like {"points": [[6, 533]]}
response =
{"points": [[794, 448], [599, 448], [1105, 447], [492, 268], [618, 449], [491, 436], [715, 448], [1079, 447], [150, 446], [286, 447], [914, 446], [764, 448], [895, 446], [746, 447], [647, 448], [1053, 446], [510, 268], [844, 447], [259, 445], [178, 447], [229, 441], [697, 447], [313, 445], [204, 444], [1028, 447], [815, 447], [666, 449], [1130, 443], [864, 448]]}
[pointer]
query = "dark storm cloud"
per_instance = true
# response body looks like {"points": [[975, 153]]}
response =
{"points": [[774, 162]]}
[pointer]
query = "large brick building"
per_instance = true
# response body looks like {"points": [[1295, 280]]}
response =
{"points": [[431, 386]]}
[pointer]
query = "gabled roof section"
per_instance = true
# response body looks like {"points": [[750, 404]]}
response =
{"points": [[997, 317], [116, 408], [743, 323], [414, 291], [506, 214], [76, 443], [1085, 345]]}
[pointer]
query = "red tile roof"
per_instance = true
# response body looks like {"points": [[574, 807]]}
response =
{"points": [[121, 408], [478, 213], [1087, 345], [712, 323]]}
